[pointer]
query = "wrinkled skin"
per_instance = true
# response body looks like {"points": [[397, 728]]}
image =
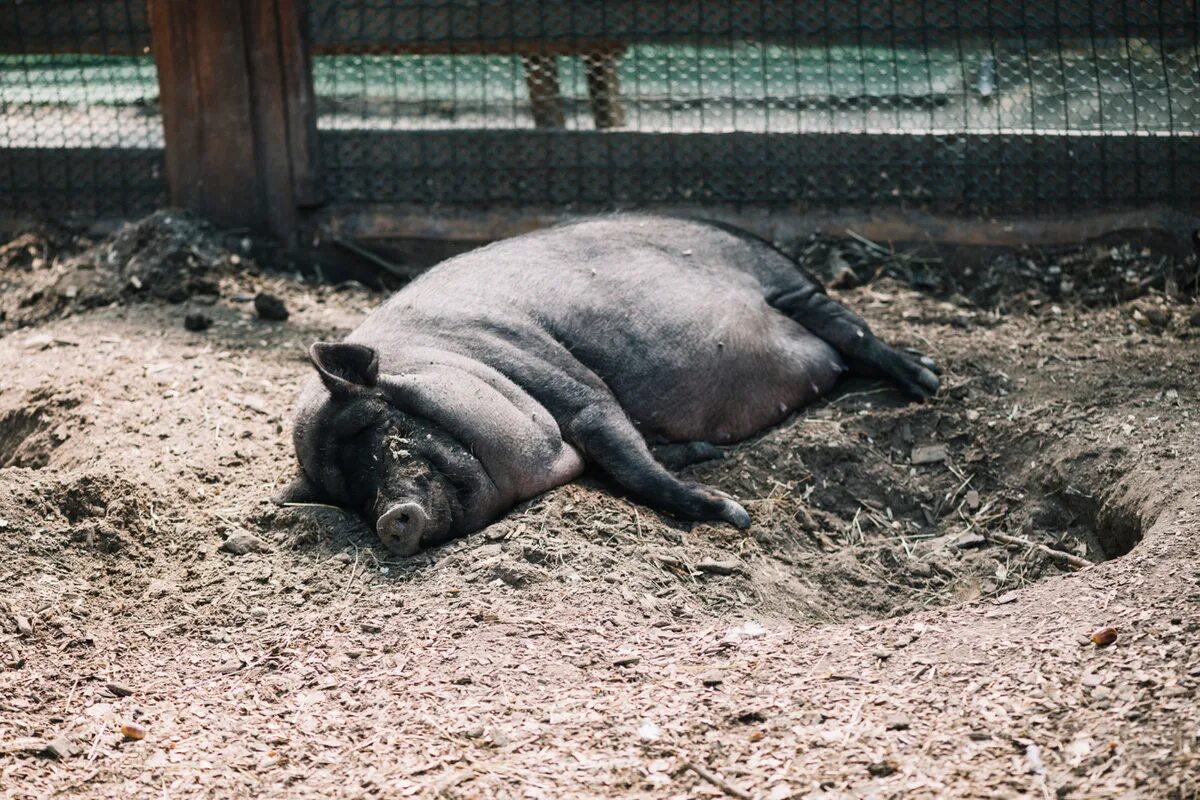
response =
{"points": [[496, 375]]}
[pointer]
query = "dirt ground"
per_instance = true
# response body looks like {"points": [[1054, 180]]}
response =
{"points": [[903, 619]]}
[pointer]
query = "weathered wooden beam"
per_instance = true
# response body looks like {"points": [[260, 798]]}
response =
{"points": [[204, 88], [604, 89], [545, 97], [381, 223], [238, 110]]}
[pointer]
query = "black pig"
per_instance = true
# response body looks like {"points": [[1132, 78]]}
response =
{"points": [[498, 374]]}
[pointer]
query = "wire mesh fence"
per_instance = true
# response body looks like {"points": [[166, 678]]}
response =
{"points": [[980, 106], [79, 124]]}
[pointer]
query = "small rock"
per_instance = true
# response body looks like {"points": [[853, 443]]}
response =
{"points": [[714, 677], [118, 689], [972, 415], [197, 322], [60, 747], [24, 626], [1157, 316], [371, 627], [897, 722], [881, 769], [231, 666], [270, 307], [928, 454], [973, 500], [240, 543], [1194, 319], [627, 660], [649, 732], [968, 540]]}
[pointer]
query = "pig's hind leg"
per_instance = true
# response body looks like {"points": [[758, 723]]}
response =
{"points": [[676, 456], [608, 439], [805, 301]]}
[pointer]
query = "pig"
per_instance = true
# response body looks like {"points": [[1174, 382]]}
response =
{"points": [[499, 374]]}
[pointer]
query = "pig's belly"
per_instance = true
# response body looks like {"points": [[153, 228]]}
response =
{"points": [[723, 382]]}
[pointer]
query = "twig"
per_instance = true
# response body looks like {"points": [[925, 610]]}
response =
{"points": [[716, 780], [868, 243], [1059, 555], [374, 258], [310, 505]]}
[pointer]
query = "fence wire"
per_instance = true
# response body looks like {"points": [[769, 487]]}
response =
{"points": [[80, 129], [977, 106]]}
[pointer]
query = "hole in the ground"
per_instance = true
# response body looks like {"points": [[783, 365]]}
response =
{"points": [[856, 515], [31, 428]]}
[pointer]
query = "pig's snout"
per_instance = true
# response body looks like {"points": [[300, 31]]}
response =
{"points": [[401, 527]]}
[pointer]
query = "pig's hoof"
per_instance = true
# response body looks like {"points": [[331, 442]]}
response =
{"points": [[736, 515], [731, 510], [913, 372]]}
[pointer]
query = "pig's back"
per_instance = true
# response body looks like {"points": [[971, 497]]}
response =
{"points": [[669, 313]]}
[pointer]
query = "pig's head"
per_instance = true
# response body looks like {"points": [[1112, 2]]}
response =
{"points": [[360, 449]]}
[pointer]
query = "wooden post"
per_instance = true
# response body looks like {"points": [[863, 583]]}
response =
{"points": [[604, 89], [545, 97], [238, 112]]}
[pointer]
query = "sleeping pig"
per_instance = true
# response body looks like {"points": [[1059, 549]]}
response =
{"points": [[499, 374]]}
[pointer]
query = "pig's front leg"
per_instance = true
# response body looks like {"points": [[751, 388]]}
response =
{"points": [[608, 439], [864, 352]]}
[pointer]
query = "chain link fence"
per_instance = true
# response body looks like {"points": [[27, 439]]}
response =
{"points": [[975, 107]]}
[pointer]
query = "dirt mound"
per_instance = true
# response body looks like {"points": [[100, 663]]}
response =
{"points": [[52, 513], [33, 424], [169, 255]]}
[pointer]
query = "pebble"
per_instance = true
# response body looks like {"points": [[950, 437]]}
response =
{"points": [[928, 454], [118, 689], [240, 543], [714, 677], [1194, 319], [197, 322], [61, 747], [897, 722], [270, 307]]}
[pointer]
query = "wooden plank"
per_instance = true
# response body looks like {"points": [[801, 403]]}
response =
{"points": [[238, 111], [300, 101], [576, 26], [204, 87], [545, 97], [604, 89], [405, 223]]}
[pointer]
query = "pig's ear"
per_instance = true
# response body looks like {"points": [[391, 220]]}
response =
{"points": [[346, 369], [301, 490]]}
